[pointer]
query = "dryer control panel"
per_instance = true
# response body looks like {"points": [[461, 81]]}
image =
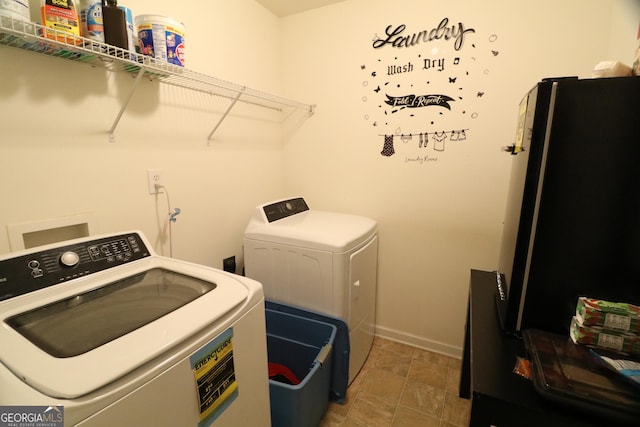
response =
{"points": [[284, 209], [72, 260]]}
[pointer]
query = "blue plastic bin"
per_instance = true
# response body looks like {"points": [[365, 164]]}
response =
{"points": [[304, 346], [341, 348]]}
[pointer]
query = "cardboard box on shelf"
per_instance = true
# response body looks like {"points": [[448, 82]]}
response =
{"points": [[603, 338], [608, 315]]}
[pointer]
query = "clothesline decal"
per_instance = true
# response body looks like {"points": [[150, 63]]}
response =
{"points": [[424, 133], [438, 137]]}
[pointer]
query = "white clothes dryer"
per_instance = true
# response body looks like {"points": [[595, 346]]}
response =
{"points": [[320, 261], [109, 333]]}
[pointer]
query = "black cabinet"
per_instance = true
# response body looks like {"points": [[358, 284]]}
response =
{"points": [[499, 396]]}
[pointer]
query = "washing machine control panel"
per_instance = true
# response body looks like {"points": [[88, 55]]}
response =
{"points": [[39, 270], [284, 209]]}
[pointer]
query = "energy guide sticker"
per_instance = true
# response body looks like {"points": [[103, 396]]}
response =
{"points": [[215, 377]]}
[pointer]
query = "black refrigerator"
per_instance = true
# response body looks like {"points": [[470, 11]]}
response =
{"points": [[572, 223]]}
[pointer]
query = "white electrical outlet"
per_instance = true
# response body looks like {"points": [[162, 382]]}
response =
{"points": [[154, 176]]}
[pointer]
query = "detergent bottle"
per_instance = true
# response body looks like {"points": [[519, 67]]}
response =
{"points": [[60, 17], [91, 22], [115, 24]]}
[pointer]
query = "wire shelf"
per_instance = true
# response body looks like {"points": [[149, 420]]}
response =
{"points": [[37, 38]]}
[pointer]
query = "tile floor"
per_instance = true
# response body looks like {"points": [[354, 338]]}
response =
{"points": [[402, 386]]}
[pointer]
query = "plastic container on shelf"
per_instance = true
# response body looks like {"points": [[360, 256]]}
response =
{"points": [[16, 9], [131, 32], [91, 22], [161, 37]]}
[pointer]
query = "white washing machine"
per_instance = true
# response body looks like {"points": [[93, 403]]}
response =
{"points": [[320, 261], [101, 332]]}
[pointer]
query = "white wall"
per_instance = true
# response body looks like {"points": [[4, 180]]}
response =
{"points": [[436, 219], [56, 160]]}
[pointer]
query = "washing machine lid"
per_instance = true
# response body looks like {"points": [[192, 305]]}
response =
{"points": [[314, 229], [69, 340]]}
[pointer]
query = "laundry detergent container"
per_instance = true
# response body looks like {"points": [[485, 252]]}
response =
{"points": [[299, 351], [324, 262]]}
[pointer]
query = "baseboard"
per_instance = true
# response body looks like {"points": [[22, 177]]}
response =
{"points": [[420, 342]]}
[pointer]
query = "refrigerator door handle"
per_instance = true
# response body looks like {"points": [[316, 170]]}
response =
{"points": [[512, 149]]}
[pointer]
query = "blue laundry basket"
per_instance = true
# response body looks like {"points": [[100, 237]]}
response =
{"points": [[304, 346]]}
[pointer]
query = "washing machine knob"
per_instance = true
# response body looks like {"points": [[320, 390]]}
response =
{"points": [[69, 259]]}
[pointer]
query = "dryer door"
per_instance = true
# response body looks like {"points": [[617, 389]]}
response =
{"points": [[363, 277]]}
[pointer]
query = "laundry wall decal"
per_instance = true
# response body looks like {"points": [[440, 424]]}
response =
{"points": [[395, 35], [417, 101], [420, 80]]}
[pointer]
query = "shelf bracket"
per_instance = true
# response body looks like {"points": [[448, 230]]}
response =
{"points": [[112, 137], [226, 113]]}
